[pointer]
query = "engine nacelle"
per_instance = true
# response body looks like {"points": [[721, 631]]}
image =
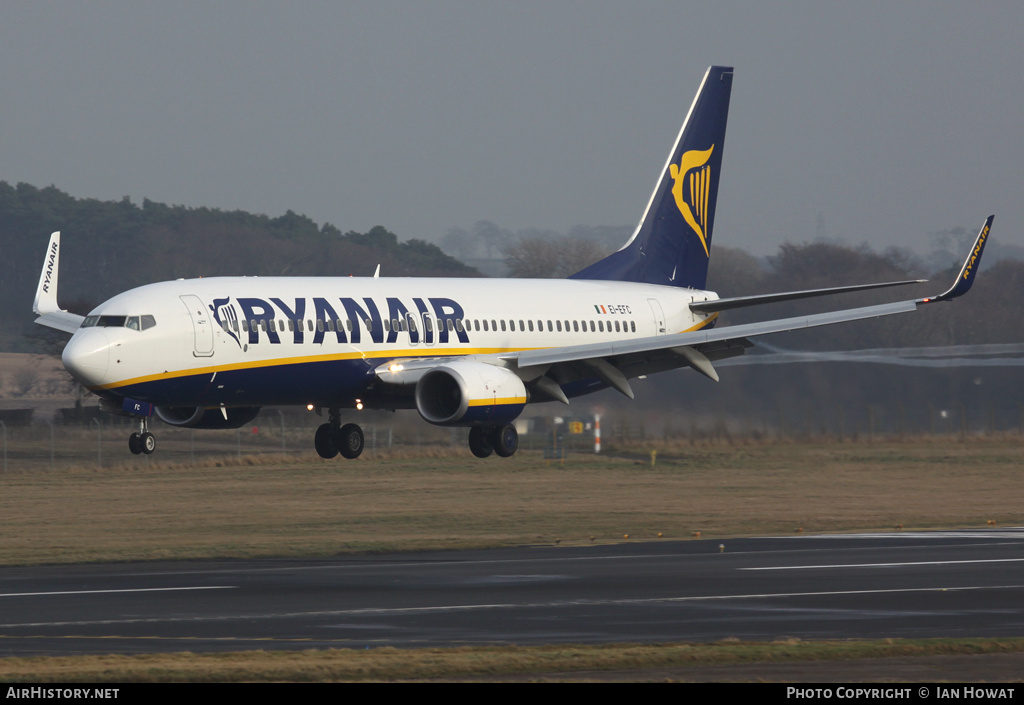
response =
{"points": [[201, 417], [468, 393]]}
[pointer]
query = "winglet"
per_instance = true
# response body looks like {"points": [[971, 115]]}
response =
{"points": [[969, 271], [46, 292]]}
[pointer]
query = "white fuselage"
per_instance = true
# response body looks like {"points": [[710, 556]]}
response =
{"points": [[251, 341]]}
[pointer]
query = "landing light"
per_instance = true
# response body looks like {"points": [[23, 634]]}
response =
{"points": [[395, 367], [359, 404], [309, 407]]}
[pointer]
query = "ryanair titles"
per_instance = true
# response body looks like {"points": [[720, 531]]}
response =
{"points": [[346, 320], [969, 267], [51, 259]]}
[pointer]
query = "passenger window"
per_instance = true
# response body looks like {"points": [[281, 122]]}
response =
{"points": [[531, 326], [502, 325]]}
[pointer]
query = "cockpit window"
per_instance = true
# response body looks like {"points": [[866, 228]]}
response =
{"points": [[132, 322]]}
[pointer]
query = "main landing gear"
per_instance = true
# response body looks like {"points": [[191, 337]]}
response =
{"points": [[143, 441], [333, 438], [484, 440]]}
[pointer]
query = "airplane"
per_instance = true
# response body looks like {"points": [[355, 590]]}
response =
{"points": [[210, 352]]}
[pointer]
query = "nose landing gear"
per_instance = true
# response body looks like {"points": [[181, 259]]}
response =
{"points": [[143, 441]]}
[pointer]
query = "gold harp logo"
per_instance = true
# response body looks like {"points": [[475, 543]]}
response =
{"points": [[692, 177]]}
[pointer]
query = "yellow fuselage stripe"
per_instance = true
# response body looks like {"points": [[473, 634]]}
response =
{"points": [[422, 352]]}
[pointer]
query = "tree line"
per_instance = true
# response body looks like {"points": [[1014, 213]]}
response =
{"points": [[110, 246]]}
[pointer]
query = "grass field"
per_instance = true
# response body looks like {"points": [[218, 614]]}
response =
{"points": [[897, 661], [269, 505]]}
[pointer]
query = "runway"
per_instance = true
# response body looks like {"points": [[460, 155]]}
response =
{"points": [[929, 584]]}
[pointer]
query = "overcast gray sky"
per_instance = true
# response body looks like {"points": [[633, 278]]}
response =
{"points": [[891, 120]]}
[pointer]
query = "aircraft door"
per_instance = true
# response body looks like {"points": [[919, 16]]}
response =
{"points": [[202, 326], [413, 329], [428, 329], [659, 316]]}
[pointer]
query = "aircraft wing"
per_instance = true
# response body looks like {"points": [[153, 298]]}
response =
{"points": [[50, 314], [615, 361], [61, 320], [744, 301], [550, 370]]}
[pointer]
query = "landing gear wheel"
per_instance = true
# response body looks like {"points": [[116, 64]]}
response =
{"points": [[325, 441], [350, 441], [480, 441], [505, 440], [142, 441]]}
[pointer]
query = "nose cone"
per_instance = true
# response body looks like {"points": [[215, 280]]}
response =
{"points": [[87, 355]]}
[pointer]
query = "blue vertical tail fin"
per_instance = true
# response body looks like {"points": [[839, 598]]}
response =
{"points": [[672, 244]]}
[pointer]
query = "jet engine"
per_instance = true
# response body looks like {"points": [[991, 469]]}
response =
{"points": [[201, 417], [470, 393]]}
